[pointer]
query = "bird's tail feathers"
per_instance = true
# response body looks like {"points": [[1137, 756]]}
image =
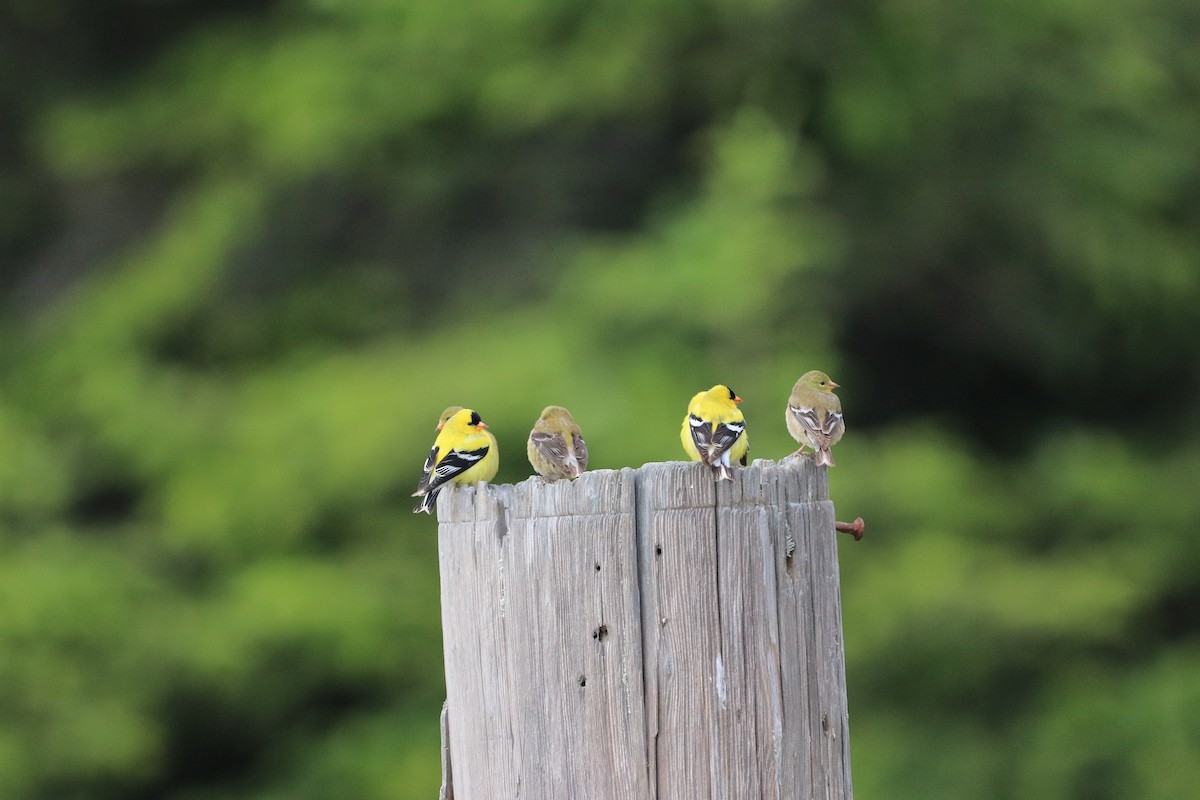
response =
{"points": [[428, 501], [825, 457]]}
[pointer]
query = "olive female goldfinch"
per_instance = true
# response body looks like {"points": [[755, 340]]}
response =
{"points": [[814, 415], [714, 431], [464, 452], [556, 447]]}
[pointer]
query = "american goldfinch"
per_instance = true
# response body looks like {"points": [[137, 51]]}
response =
{"points": [[464, 452], [814, 415], [714, 431], [556, 447], [442, 420]]}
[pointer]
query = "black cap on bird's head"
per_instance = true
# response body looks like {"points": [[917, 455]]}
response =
{"points": [[718, 394]]}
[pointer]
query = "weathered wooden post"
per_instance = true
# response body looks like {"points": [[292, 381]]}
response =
{"points": [[644, 634]]}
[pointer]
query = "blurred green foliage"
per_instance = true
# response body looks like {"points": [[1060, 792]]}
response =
{"points": [[250, 250]]}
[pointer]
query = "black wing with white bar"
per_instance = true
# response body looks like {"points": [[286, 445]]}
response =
{"points": [[712, 442]]}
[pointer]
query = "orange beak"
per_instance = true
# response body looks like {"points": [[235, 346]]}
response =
{"points": [[481, 426], [834, 385], [737, 401], [440, 426]]}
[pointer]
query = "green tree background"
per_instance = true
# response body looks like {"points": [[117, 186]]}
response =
{"points": [[249, 250]]}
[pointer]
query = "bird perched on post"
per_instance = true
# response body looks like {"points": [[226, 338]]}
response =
{"points": [[814, 415], [556, 447], [714, 431], [464, 452]]}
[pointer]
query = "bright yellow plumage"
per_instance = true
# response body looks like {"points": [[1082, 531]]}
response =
{"points": [[714, 431], [464, 452]]}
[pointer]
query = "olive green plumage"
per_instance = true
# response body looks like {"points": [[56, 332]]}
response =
{"points": [[814, 415]]}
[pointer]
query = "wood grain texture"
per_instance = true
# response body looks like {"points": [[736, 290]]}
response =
{"points": [[644, 634], [447, 790]]}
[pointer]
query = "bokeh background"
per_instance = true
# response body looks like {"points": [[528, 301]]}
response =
{"points": [[249, 251]]}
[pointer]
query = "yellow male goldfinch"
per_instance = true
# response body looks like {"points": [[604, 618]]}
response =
{"points": [[556, 447], [442, 420], [714, 431], [814, 415], [464, 452]]}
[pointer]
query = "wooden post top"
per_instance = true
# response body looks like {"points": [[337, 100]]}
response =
{"points": [[644, 633], [673, 483]]}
